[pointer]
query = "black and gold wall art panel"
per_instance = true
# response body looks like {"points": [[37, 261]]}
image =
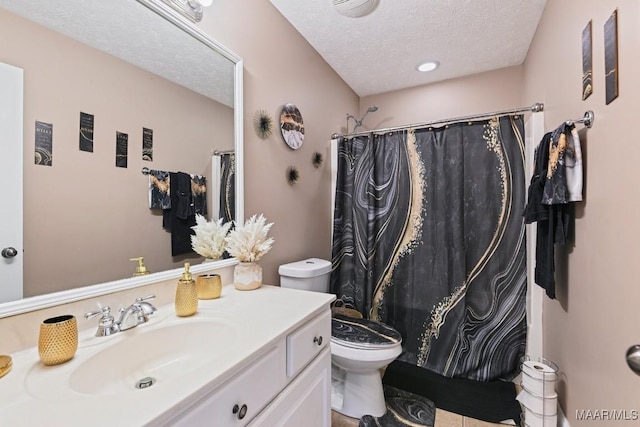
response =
{"points": [[611, 57], [86, 132], [122, 148], [587, 62], [147, 144], [44, 144]]}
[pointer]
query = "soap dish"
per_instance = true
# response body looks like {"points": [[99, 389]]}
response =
{"points": [[5, 365]]}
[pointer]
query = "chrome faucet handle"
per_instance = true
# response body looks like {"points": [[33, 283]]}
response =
{"points": [[147, 298], [107, 324]]}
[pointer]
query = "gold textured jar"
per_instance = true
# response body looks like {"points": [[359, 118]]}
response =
{"points": [[209, 286], [58, 339], [186, 294]]}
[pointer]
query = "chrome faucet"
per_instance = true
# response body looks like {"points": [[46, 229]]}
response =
{"points": [[136, 313], [130, 317]]}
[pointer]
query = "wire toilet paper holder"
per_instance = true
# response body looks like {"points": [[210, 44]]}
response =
{"points": [[545, 377]]}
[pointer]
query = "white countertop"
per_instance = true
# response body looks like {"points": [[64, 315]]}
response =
{"points": [[36, 395]]}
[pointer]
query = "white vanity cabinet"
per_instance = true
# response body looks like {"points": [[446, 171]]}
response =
{"points": [[259, 358], [287, 384], [306, 401]]}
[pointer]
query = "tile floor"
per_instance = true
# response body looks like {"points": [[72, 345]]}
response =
{"points": [[443, 419]]}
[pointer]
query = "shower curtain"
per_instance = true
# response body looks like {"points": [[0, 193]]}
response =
{"points": [[227, 187], [429, 239]]}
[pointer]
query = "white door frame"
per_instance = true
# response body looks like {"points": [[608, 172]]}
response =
{"points": [[534, 131]]}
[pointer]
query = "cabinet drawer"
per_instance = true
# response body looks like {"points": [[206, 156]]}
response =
{"points": [[250, 390], [306, 342]]}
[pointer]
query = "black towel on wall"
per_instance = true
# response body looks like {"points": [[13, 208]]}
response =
{"points": [[553, 221], [180, 218]]}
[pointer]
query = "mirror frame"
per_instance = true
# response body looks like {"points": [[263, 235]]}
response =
{"points": [[26, 305]]}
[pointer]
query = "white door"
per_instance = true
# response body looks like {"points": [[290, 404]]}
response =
{"points": [[11, 88]]}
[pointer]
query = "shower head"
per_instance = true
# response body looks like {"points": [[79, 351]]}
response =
{"points": [[371, 109]]}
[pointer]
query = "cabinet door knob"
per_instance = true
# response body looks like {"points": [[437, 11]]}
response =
{"points": [[240, 411], [318, 340]]}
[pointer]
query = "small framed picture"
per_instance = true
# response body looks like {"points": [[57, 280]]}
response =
{"points": [[587, 62], [611, 57], [122, 148]]}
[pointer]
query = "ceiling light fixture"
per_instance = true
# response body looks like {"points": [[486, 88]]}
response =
{"points": [[428, 66], [355, 8], [192, 9]]}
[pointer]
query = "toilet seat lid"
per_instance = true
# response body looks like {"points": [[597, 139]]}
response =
{"points": [[362, 333]]}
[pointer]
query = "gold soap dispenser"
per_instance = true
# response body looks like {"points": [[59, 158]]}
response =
{"points": [[186, 294], [141, 269]]}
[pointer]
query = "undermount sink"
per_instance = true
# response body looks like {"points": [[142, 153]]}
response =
{"points": [[143, 357]]}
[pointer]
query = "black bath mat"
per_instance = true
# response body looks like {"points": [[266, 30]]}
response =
{"points": [[403, 409], [492, 401]]}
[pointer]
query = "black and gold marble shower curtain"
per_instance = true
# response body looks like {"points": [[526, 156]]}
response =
{"points": [[429, 238], [227, 187]]}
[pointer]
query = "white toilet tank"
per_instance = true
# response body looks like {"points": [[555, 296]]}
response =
{"points": [[310, 275]]}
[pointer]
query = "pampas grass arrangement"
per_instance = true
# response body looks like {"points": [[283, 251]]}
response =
{"points": [[249, 242], [209, 240]]}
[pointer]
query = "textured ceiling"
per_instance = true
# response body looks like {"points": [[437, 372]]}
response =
{"points": [[128, 30], [379, 52]]}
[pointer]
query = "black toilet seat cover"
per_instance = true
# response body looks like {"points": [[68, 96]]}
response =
{"points": [[363, 332]]}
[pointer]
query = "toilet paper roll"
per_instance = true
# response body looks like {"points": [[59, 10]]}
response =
{"points": [[538, 387], [539, 370], [541, 406], [531, 419]]}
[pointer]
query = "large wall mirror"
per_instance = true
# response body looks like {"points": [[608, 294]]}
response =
{"points": [[134, 66]]}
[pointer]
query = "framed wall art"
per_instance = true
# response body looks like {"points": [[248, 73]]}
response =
{"points": [[44, 144], [587, 62], [611, 57], [86, 132]]}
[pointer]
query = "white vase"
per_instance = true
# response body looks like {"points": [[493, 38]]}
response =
{"points": [[247, 276]]}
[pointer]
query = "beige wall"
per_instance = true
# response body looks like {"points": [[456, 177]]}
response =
{"points": [[480, 93], [84, 218], [281, 67], [589, 328], [595, 319]]}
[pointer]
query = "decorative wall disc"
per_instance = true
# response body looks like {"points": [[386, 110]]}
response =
{"points": [[263, 123], [292, 126]]}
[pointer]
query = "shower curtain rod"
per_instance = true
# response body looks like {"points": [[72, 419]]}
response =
{"points": [[221, 152], [535, 108]]}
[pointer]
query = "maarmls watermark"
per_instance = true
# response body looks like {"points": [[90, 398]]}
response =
{"points": [[607, 414]]}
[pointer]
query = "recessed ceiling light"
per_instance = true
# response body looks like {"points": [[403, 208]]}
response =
{"points": [[428, 66]]}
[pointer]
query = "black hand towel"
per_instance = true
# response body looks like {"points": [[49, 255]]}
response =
{"points": [[180, 218]]}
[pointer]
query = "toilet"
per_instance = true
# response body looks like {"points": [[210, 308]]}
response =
{"points": [[360, 348]]}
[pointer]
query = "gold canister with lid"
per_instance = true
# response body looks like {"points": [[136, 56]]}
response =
{"points": [[209, 286], [5, 365], [58, 339], [186, 294]]}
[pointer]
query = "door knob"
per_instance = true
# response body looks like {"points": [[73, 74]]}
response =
{"points": [[633, 358], [9, 252]]}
